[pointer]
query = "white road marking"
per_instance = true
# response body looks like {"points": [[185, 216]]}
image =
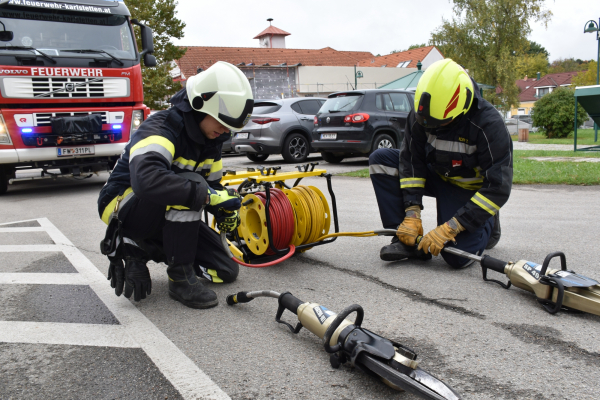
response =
{"points": [[186, 377], [65, 333], [21, 248], [35, 278], [22, 229]]}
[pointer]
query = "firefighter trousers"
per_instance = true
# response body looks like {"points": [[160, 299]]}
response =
{"points": [[384, 171], [177, 236]]}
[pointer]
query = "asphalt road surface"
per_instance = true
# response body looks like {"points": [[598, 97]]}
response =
{"points": [[65, 335]]}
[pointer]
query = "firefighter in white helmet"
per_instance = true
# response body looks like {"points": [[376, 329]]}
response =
{"points": [[170, 172]]}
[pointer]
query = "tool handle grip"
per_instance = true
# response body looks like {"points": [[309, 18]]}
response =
{"points": [[290, 302], [493, 263], [240, 297]]}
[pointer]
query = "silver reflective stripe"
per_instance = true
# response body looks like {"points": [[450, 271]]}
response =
{"points": [[475, 179], [382, 169], [215, 176], [157, 148], [447, 145], [205, 273], [182, 216], [183, 166], [129, 241], [203, 167], [124, 201]]}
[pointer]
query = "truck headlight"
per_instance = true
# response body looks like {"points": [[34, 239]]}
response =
{"points": [[4, 135], [137, 117]]}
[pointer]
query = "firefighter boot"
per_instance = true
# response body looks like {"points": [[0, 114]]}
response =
{"points": [[185, 287], [495, 236], [397, 251]]}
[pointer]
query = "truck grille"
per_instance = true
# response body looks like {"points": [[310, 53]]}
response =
{"points": [[43, 119], [66, 87]]}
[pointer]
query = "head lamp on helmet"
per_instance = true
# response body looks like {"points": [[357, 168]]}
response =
{"points": [[444, 92], [223, 92]]}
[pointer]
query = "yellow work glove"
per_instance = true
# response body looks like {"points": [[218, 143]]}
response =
{"points": [[435, 240], [411, 227]]}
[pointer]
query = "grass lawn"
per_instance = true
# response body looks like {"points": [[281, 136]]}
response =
{"points": [[544, 172], [584, 136]]}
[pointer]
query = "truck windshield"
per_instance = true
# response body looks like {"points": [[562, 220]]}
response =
{"points": [[54, 33]]}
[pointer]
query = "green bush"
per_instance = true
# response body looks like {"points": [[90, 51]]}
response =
{"points": [[555, 113]]}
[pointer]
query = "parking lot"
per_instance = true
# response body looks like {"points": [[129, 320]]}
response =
{"points": [[64, 334]]}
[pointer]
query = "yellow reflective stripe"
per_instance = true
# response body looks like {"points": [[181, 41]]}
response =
{"points": [[155, 143], [108, 210], [412, 182], [184, 164], [215, 277], [216, 166], [177, 208], [485, 203]]}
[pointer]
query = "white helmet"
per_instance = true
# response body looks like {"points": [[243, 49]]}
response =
{"points": [[223, 92]]}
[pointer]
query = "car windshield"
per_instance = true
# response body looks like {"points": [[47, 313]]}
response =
{"points": [[53, 32], [340, 103], [265, 108]]}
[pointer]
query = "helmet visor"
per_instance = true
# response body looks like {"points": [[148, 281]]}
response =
{"points": [[423, 113]]}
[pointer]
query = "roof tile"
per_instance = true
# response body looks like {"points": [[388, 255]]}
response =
{"points": [[392, 60]]}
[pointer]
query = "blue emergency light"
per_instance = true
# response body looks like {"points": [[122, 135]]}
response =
{"points": [[26, 130], [116, 126]]}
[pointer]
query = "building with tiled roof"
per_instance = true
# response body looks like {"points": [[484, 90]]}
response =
{"points": [[276, 71], [405, 59], [533, 89]]}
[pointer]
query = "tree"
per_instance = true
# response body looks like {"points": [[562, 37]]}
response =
{"points": [[535, 48], [555, 113], [485, 36], [586, 78], [412, 46], [529, 65], [160, 15], [567, 65]]}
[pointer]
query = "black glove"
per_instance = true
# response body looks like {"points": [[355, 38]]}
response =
{"points": [[116, 275], [227, 221], [137, 279]]}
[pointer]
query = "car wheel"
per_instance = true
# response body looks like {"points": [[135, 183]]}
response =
{"points": [[383, 141], [257, 157], [332, 158], [295, 148]]}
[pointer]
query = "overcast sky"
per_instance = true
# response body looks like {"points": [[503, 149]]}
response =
{"points": [[378, 26]]}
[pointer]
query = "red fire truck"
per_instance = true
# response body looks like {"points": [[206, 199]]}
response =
{"points": [[70, 86]]}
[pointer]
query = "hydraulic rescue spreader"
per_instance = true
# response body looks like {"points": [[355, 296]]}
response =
{"points": [[346, 341]]}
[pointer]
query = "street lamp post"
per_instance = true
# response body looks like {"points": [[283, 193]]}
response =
{"points": [[591, 27]]}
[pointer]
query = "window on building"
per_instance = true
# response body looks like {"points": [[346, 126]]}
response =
{"points": [[403, 64], [542, 91]]}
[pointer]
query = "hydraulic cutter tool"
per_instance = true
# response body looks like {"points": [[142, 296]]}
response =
{"points": [[346, 341]]}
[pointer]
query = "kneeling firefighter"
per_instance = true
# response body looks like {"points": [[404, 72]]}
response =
{"points": [[457, 149], [170, 172]]}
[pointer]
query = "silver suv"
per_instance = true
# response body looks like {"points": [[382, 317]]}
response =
{"points": [[280, 126]]}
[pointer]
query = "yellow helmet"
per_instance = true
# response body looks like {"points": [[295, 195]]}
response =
{"points": [[444, 92]]}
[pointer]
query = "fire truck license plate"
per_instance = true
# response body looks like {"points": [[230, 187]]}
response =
{"points": [[75, 151]]}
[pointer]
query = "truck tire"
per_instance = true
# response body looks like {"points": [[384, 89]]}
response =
{"points": [[383, 141], [332, 158], [3, 181], [257, 157], [295, 148]]}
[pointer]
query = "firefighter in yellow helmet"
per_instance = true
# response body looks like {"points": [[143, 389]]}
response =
{"points": [[169, 172], [456, 149]]}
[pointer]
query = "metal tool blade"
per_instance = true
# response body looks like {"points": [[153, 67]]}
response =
{"points": [[419, 382]]}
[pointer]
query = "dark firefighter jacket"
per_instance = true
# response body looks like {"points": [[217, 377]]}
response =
{"points": [[161, 148], [474, 152]]}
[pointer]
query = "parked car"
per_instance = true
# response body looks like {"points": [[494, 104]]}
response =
{"points": [[523, 118], [361, 121], [280, 126]]}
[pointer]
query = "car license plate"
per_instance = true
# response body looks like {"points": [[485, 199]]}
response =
{"points": [[242, 135], [328, 136], [75, 151]]}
